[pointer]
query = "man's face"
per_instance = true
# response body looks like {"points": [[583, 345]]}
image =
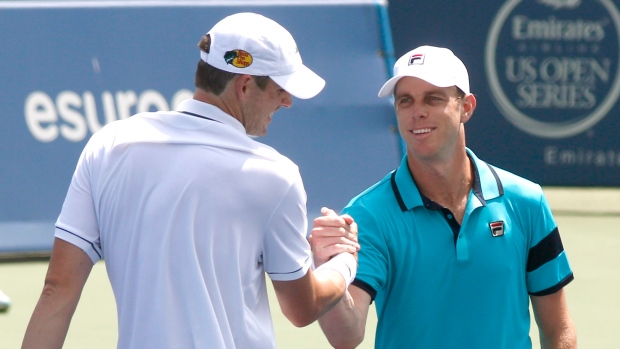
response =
{"points": [[257, 112], [429, 117]]}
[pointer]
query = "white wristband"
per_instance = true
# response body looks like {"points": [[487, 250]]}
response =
{"points": [[345, 264]]}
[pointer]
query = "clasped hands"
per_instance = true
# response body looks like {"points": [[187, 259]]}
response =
{"points": [[333, 234]]}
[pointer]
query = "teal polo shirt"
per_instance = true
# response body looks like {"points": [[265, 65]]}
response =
{"points": [[438, 284]]}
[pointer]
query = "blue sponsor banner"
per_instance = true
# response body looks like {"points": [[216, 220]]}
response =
{"points": [[68, 68], [546, 74]]}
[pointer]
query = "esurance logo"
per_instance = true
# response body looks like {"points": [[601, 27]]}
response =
{"points": [[72, 116], [553, 65]]}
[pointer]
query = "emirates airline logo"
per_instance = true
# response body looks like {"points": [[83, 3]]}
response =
{"points": [[553, 66]]}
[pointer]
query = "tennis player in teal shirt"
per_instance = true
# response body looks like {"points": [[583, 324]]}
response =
{"points": [[453, 249]]}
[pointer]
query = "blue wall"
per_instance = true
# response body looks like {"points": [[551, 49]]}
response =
{"points": [[68, 70]]}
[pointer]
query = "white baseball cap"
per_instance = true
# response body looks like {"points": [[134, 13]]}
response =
{"points": [[249, 43], [436, 65]]}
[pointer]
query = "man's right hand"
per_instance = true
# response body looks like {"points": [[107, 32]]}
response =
{"points": [[333, 234]]}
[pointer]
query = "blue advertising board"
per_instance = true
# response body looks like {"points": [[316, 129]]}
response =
{"points": [[70, 67], [546, 74]]}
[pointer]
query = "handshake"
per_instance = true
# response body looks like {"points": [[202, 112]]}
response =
{"points": [[334, 244]]}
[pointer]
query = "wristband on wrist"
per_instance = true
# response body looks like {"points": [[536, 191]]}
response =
{"points": [[345, 264]]}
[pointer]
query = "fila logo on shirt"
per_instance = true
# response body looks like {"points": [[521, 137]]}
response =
{"points": [[418, 58], [497, 228]]}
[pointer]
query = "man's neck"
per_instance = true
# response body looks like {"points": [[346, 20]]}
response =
{"points": [[221, 101], [448, 183]]}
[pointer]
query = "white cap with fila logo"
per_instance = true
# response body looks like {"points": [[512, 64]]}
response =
{"points": [[436, 65], [249, 43]]}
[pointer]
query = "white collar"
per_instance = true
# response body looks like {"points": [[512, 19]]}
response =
{"points": [[209, 111]]}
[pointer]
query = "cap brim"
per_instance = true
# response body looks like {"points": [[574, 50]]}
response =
{"points": [[303, 83], [388, 87]]}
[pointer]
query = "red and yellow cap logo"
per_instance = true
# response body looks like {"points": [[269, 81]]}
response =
{"points": [[238, 58]]}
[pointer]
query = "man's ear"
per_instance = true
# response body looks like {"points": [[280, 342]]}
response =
{"points": [[241, 85], [469, 105]]}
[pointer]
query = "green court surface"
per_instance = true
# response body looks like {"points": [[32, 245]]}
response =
{"points": [[588, 219]]}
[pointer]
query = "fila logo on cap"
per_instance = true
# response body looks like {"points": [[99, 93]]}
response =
{"points": [[497, 228], [418, 58], [238, 58]]}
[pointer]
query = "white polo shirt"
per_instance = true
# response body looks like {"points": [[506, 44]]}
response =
{"points": [[188, 213]]}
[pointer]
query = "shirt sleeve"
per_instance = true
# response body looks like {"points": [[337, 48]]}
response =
{"points": [[77, 222], [287, 254], [547, 268], [372, 257]]}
